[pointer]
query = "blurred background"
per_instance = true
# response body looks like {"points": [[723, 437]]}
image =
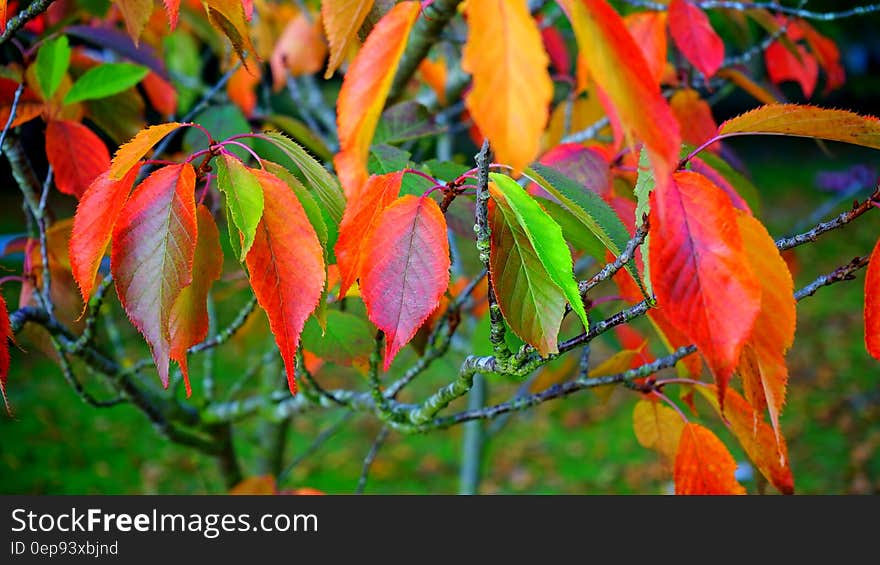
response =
{"points": [[583, 444]]}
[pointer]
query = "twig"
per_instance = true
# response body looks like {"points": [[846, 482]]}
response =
{"points": [[15, 23], [229, 330], [368, 460], [841, 220], [12, 111], [611, 268]]}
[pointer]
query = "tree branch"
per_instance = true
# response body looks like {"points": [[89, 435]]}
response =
{"points": [[15, 23]]}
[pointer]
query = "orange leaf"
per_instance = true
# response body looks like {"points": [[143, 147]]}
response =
{"points": [[151, 257], [872, 304], [229, 17], [361, 213], [161, 93], [241, 85], [806, 121], [29, 106], [618, 67], [757, 91], [694, 117], [128, 154], [766, 376], [703, 464], [76, 154], [658, 427], [93, 223], [188, 323], [263, 484], [406, 270], [299, 51], [700, 270], [364, 90], [286, 266], [512, 89], [766, 449], [172, 8], [692, 32], [435, 74], [342, 20], [648, 29]]}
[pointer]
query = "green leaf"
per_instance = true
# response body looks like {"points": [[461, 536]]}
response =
{"points": [[545, 236], [386, 159], [645, 183], [573, 230], [105, 80], [301, 133], [347, 340], [445, 170], [589, 208], [244, 200], [325, 186], [405, 121], [53, 59]]}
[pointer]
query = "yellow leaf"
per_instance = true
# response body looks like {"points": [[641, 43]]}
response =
{"points": [[512, 90], [229, 18], [658, 427], [136, 14], [342, 20], [128, 155], [617, 363]]}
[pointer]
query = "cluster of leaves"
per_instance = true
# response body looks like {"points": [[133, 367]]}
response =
{"points": [[308, 239]]}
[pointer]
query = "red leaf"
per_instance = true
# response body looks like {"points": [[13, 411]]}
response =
{"points": [[76, 154], [363, 93], [151, 257], [554, 44], [782, 66], [96, 214], [358, 222], [703, 465], [827, 54], [5, 335], [286, 266], [700, 270], [161, 93], [692, 32], [172, 8], [406, 270], [587, 165], [872, 304], [649, 32], [188, 323], [694, 116], [700, 166]]}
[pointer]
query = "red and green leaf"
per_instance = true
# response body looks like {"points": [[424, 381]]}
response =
{"points": [[244, 200], [286, 267], [406, 270], [151, 258]]}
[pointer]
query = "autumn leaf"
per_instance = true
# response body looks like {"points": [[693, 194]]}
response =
{"points": [[658, 427], [172, 8], [299, 51], [244, 199], [161, 93], [618, 67], [342, 19], [286, 267], [5, 335], [694, 117], [96, 215], [827, 54], [693, 34], [512, 89], [241, 87], [764, 447], [700, 270], [585, 165], [229, 17], [872, 304], [151, 257], [128, 154], [783, 66], [406, 270], [188, 322], [360, 218], [648, 29], [136, 14], [703, 465], [77, 156], [30, 105], [765, 376], [806, 121], [364, 90]]}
